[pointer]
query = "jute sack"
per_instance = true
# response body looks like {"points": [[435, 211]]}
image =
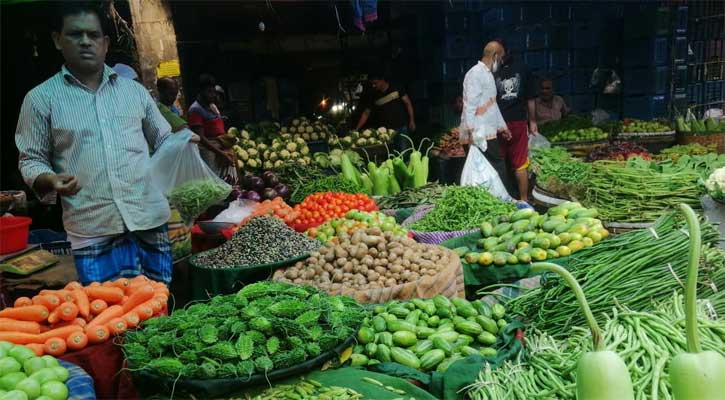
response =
{"points": [[448, 282]]}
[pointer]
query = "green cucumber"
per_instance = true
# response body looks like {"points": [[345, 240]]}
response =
{"points": [[405, 357]]}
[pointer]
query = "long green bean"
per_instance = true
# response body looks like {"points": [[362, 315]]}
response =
{"points": [[630, 269]]}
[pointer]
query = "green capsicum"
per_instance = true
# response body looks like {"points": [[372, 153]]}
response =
{"points": [[601, 374], [696, 374]]}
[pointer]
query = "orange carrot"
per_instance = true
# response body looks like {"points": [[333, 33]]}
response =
{"points": [[139, 278], [68, 311], [75, 285], [44, 328], [76, 321], [97, 334], [117, 326], [81, 299], [103, 318], [123, 284], [144, 311], [11, 325], [63, 295], [34, 313], [141, 295], [61, 332], [155, 305], [107, 294], [23, 301], [55, 346], [98, 306], [54, 316], [132, 319], [18, 337], [37, 348], [77, 340], [50, 301], [94, 284]]}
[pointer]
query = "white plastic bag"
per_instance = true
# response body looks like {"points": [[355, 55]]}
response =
{"points": [[237, 211], [538, 141], [479, 172], [177, 162]]}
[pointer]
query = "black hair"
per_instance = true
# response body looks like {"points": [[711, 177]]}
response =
{"points": [[68, 8], [164, 83], [206, 80]]}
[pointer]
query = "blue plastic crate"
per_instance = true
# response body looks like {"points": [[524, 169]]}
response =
{"points": [[645, 52], [456, 22], [537, 39], [698, 50], [585, 58], [562, 81], [680, 48], [646, 81], [681, 17], [510, 14], [560, 12], [680, 78], [584, 35], [534, 13], [457, 46], [559, 59], [645, 107], [581, 80], [559, 37], [582, 12], [492, 16], [515, 41], [452, 70], [714, 91], [581, 103], [680, 102], [695, 93], [536, 59]]}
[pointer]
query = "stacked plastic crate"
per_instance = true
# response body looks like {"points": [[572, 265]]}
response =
{"points": [[703, 26], [646, 60]]}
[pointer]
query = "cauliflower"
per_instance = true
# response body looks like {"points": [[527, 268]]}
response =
{"points": [[261, 147], [305, 150], [236, 148], [268, 165], [246, 135], [284, 154], [382, 130], [278, 163], [243, 154], [233, 131], [252, 163], [291, 130], [309, 129], [361, 142], [715, 184], [240, 164], [291, 147], [295, 122], [300, 141], [314, 136], [294, 154]]}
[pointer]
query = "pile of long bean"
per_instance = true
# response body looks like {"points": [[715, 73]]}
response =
{"points": [[461, 208], [412, 197], [631, 269], [559, 173], [333, 183], [646, 341], [194, 197], [631, 192]]}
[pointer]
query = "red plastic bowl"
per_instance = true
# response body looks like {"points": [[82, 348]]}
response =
{"points": [[14, 233]]}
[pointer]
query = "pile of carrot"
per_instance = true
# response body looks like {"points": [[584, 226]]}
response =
{"points": [[273, 208], [56, 321]]}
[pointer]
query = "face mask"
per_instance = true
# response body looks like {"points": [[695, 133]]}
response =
{"points": [[495, 65]]}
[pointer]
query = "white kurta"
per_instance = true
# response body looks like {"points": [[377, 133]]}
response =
{"points": [[480, 121]]}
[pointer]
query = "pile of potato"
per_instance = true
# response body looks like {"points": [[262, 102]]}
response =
{"points": [[369, 259]]}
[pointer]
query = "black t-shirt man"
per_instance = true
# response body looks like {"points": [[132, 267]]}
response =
{"points": [[387, 107], [515, 86]]}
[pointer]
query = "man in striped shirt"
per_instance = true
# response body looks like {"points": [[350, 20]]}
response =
{"points": [[85, 134]]}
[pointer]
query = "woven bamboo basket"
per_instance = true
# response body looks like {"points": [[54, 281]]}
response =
{"points": [[717, 139]]}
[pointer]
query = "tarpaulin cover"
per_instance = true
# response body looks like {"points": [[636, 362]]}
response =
{"points": [[212, 281], [477, 277], [446, 385]]}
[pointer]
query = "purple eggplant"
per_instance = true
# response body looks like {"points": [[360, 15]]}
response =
{"points": [[282, 190], [257, 184], [252, 195], [269, 194], [246, 181], [270, 179]]}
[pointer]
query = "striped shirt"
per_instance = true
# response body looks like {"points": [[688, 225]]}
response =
{"points": [[102, 138]]}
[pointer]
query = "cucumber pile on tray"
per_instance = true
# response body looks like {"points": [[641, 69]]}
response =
{"points": [[429, 334], [524, 236]]}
